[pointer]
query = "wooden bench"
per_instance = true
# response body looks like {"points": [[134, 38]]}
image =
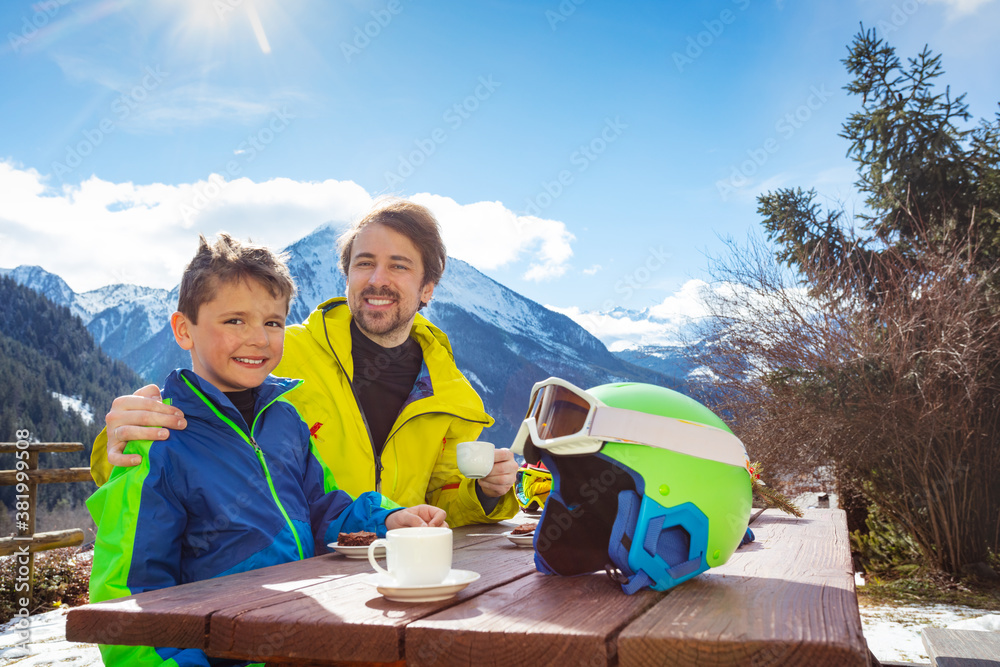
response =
{"points": [[786, 599]]}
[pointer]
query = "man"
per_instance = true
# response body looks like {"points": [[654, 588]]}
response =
{"points": [[382, 396]]}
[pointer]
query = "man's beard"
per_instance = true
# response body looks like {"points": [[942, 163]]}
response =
{"points": [[382, 324]]}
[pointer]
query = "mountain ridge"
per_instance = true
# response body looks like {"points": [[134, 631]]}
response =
{"points": [[503, 341]]}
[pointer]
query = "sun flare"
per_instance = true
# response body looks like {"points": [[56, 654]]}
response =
{"points": [[225, 16]]}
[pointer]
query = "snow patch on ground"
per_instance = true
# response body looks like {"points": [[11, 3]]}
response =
{"points": [[988, 623], [893, 632], [75, 404], [46, 645]]}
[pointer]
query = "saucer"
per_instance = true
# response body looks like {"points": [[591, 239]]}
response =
{"points": [[358, 552], [452, 584], [521, 540]]}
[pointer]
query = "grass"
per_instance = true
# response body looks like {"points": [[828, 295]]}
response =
{"points": [[910, 585]]}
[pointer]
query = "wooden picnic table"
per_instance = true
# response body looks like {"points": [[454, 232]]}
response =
{"points": [[786, 599]]}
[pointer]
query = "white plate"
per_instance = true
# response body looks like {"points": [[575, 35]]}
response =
{"points": [[452, 584], [527, 540], [356, 552]]}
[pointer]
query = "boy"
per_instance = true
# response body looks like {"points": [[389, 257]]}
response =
{"points": [[241, 487]]}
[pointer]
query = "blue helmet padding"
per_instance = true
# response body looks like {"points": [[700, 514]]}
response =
{"points": [[669, 543], [621, 541], [649, 554], [623, 530]]}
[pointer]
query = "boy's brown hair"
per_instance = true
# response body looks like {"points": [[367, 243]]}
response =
{"points": [[228, 261], [413, 221]]}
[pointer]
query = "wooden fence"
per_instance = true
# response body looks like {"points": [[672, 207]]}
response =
{"points": [[26, 477]]}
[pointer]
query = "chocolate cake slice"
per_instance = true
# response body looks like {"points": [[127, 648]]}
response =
{"points": [[524, 529], [360, 539]]}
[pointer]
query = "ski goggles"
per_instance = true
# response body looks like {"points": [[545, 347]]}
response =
{"points": [[532, 485], [566, 420]]}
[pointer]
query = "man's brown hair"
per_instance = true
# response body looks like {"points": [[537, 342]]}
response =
{"points": [[229, 261], [413, 221]]}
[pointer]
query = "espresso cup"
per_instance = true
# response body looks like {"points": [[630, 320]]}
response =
{"points": [[416, 556], [475, 459]]}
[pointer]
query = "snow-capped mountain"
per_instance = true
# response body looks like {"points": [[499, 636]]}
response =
{"points": [[503, 342], [43, 282], [119, 317]]}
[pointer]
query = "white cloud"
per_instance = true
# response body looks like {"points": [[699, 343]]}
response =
{"points": [[662, 324], [100, 232], [613, 329], [488, 235], [670, 322], [592, 270], [686, 304]]}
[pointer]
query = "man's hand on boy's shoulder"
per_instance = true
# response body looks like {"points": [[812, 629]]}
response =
{"points": [[140, 416], [418, 515]]}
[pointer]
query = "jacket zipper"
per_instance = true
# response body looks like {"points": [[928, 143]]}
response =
{"points": [[258, 451], [376, 457]]}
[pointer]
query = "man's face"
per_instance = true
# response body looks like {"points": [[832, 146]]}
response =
{"points": [[385, 284], [239, 337]]}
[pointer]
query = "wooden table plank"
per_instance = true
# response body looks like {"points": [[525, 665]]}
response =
{"points": [[961, 648], [787, 599], [310, 623], [536, 620], [178, 616]]}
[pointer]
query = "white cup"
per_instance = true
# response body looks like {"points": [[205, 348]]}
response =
{"points": [[417, 556], [475, 459]]}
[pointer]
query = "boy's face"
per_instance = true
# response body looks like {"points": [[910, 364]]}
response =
{"points": [[385, 284], [239, 336]]}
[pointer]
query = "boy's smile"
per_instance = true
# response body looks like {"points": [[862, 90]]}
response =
{"points": [[239, 337]]}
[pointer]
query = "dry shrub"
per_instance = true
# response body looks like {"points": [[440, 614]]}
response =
{"points": [[62, 578], [896, 383]]}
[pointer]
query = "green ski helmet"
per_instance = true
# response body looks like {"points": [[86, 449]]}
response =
{"points": [[647, 484]]}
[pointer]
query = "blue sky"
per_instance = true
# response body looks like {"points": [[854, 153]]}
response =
{"points": [[586, 154]]}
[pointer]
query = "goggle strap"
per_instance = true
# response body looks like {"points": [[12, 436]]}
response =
{"points": [[705, 442]]}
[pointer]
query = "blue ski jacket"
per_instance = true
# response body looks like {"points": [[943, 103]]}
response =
{"points": [[220, 497]]}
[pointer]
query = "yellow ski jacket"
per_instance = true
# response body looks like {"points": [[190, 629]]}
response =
{"points": [[418, 463]]}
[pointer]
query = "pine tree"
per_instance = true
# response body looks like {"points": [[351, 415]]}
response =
{"points": [[930, 183], [880, 350]]}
